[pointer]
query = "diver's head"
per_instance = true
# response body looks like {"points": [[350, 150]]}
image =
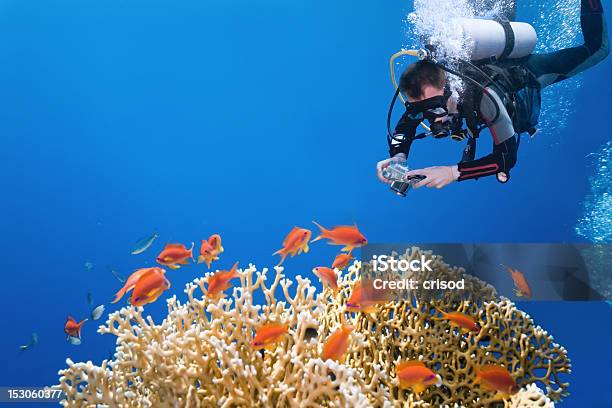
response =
{"points": [[422, 80], [424, 84]]}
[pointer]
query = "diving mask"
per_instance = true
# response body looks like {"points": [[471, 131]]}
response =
{"points": [[431, 108]]}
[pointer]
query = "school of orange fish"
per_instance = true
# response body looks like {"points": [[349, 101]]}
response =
{"points": [[148, 284]]}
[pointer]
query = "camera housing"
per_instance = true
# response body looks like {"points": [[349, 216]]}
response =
{"points": [[400, 181]]}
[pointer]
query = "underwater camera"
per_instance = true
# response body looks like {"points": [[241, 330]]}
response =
{"points": [[400, 181]]}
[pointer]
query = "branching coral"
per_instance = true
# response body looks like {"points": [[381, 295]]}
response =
{"points": [[200, 355], [405, 330]]}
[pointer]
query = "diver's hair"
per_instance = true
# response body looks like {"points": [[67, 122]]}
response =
{"points": [[419, 74]]}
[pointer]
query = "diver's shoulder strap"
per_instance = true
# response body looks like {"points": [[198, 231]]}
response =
{"points": [[506, 79], [469, 108]]}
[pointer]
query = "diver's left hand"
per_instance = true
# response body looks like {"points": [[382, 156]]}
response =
{"points": [[437, 176]]}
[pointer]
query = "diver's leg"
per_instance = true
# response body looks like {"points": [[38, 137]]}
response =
{"points": [[559, 65]]}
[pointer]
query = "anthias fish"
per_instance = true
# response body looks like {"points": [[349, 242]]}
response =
{"points": [[72, 328], [364, 297], [342, 260], [269, 335], [295, 243], [460, 320], [220, 281], [493, 377], [416, 376], [328, 277], [337, 343], [175, 255], [210, 249], [133, 280], [149, 287], [143, 244], [347, 235], [521, 287]]}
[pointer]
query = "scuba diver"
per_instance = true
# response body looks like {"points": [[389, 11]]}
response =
{"points": [[501, 92]]}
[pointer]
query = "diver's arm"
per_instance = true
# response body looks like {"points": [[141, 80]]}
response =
{"points": [[403, 135], [399, 145], [501, 129], [503, 157], [501, 160]]}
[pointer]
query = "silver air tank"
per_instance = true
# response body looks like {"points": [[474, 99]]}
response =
{"points": [[499, 39]]}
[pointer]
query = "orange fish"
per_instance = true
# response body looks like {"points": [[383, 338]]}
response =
{"points": [[131, 282], [522, 288], [219, 282], [174, 255], [347, 235], [149, 287], [210, 250], [268, 335], [328, 277], [342, 261], [364, 297], [493, 377], [414, 375], [72, 328], [337, 343], [295, 243], [460, 320]]}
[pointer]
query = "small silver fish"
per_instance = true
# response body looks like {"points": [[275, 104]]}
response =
{"points": [[75, 341], [97, 312], [32, 342], [143, 244], [120, 278], [88, 266]]}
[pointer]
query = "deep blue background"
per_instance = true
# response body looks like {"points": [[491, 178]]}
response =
{"points": [[118, 118]]}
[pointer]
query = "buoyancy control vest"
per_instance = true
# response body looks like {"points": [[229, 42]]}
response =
{"points": [[515, 85]]}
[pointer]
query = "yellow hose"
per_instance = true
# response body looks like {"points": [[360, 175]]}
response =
{"points": [[411, 53]]}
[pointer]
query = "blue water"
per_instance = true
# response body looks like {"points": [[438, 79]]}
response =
{"points": [[120, 118]]}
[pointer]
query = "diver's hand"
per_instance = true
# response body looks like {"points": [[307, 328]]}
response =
{"points": [[383, 164], [437, 176]]}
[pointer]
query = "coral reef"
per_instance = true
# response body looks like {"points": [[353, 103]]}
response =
{"points": [[201, 355], [404, 330]]}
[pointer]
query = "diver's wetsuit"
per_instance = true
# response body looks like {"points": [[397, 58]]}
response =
{"points": [[548, 69]]}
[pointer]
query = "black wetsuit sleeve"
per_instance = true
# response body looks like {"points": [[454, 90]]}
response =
{"points": [[502, 159], [403, 135]]}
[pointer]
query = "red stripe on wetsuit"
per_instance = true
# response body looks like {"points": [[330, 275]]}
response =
{"points": [[467, 172], [477, 171]]}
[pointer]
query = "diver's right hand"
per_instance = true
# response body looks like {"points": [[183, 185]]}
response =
{"points": [[383, 164]]}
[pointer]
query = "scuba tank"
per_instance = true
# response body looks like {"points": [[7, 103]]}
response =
{"points": [[500, 39]]}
